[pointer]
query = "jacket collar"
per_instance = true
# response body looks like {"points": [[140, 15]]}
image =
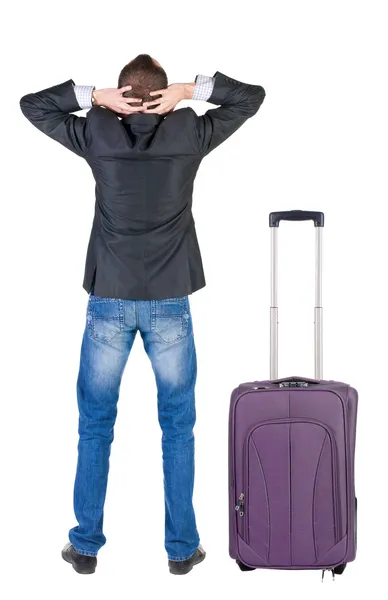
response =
{"points": [[142, 121]]}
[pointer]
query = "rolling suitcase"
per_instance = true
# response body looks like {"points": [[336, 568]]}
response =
{"points": [[292, 501]]}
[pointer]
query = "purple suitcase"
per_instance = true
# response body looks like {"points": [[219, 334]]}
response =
{"points": [[292, 501]]}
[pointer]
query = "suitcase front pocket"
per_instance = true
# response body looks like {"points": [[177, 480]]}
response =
{"points": [[291, 497]]}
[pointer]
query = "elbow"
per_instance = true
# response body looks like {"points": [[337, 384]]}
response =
{"points": [[257, 98], [26, 103], [23, 103], [262, 92], [259, 95]]}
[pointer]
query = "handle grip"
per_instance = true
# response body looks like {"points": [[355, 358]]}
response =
{"points": [[295, 382], [297, 215]]}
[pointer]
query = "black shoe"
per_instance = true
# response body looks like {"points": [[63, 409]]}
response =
{"points": [[81, 563], [184, 566]]}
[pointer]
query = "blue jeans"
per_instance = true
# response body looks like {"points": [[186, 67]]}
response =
{"points": [[166, 329]]}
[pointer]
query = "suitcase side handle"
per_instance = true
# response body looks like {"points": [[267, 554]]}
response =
{"points": [[297, 215]]}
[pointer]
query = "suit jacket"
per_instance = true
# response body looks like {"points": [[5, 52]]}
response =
{"points": [[143, 243]]}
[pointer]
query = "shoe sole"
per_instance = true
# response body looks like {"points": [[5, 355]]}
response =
{"points": [[188, 569], [78, 569]]}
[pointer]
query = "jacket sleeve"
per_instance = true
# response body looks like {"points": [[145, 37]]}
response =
{"points": [[237, 102], [49, 111]]}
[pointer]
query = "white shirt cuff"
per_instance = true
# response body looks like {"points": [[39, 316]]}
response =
{"points": [[204, 86], [83, 93]]}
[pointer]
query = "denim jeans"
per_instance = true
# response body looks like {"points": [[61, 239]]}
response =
{"points": [[166, 329]]}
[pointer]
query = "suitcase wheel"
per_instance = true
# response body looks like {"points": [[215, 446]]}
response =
{"points": [[340, 569], [243, 567]]}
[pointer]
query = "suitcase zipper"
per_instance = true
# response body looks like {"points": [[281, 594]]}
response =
{"points": [[240, 505]]}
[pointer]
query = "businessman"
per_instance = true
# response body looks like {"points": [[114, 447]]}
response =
{"points": [[143, 261]]}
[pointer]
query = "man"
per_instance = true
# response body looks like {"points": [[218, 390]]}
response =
{"points": [[143, 261]]}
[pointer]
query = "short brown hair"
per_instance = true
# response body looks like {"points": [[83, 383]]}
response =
{"points": [[144, 76]]}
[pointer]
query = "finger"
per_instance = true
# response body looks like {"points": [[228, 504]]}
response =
{"points": [[155, 111], [128, 110], [136, 109], [153, 102], [132, 100], [127, 105], [159, 110], [156, 92], [156, 105], [126, 88]]}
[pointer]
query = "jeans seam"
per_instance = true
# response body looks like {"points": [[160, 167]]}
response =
{"points": [[181, 336], [101, 300], [84, 552], [121, 315], [106, 342], [153, 315], [183, 559]]}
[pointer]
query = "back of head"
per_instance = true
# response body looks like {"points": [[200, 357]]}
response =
{"points": [[145, 75]]}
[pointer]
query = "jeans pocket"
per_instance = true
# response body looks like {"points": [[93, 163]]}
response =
{"points": [[105, 318], [170, 319]]}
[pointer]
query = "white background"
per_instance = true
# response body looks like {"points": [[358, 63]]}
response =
{"points": [[318, 142]]}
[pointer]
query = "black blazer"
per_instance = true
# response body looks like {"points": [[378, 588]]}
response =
{"points": [[143, 243]]}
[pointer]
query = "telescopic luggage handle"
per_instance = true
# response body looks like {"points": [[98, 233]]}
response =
{"points": [[274, 220]]}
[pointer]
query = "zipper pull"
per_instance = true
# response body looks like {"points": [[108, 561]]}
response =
{"points": [[240, 505]]}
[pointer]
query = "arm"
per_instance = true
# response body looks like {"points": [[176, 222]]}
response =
{"points": [[237, 103], [50, 111]]}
